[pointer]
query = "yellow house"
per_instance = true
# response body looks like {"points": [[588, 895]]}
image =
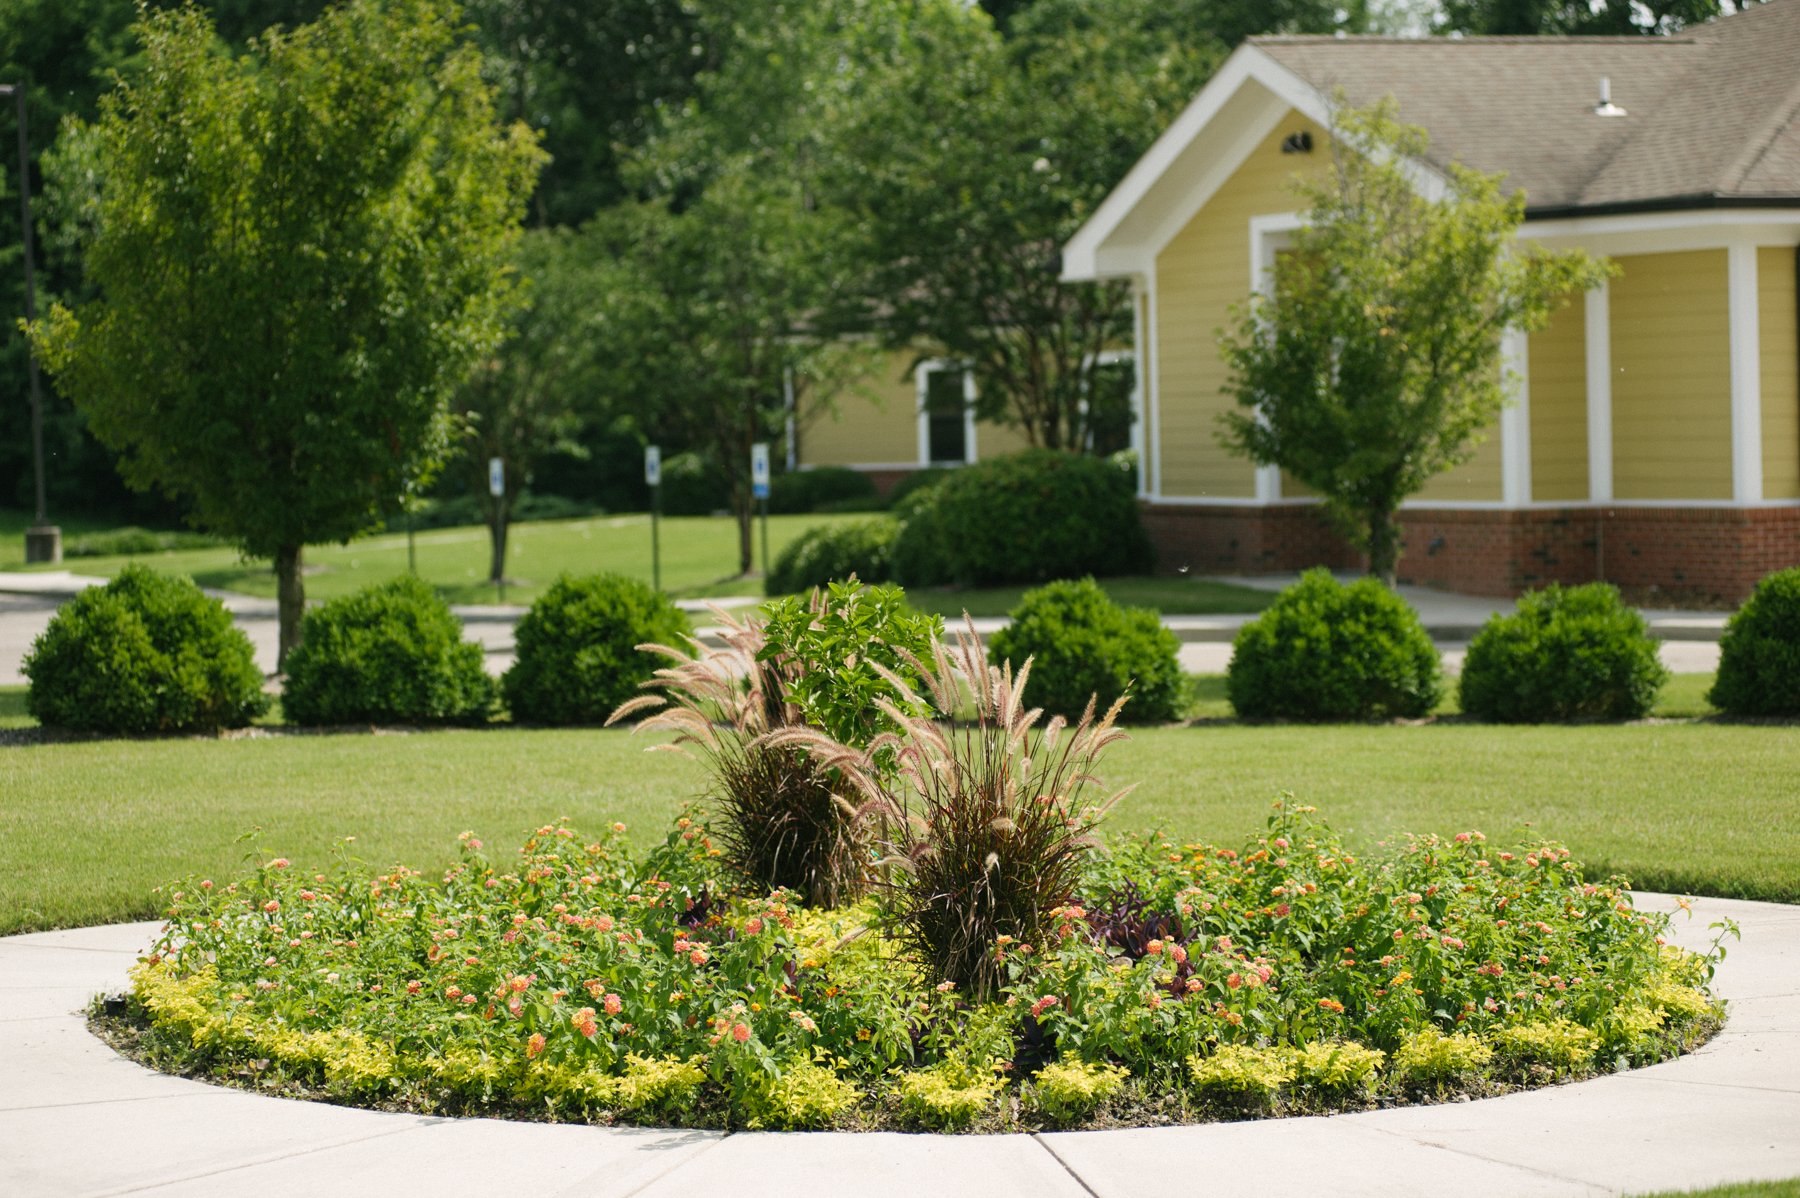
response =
{"points": [[1654, 437], [910, 412]]}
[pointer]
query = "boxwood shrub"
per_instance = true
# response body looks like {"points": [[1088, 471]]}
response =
{"points": [[1576, 653], [1759, 655], [1324, 651], [578, 655], [1082, 644], [1026, 517], [390, 653], [147, 652], [821, 487], [832, 553]]}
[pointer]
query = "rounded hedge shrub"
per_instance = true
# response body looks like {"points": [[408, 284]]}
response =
{"points": [[578, 655], [812, 490], [390, 653], [1082, 644], [1323, 651], [1026, 517], [1759, 655], [1567, 654], [832, 553], [147, 652]]}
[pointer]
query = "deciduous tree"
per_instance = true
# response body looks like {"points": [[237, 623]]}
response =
{"points": [[299, 254], [1375, 362]]}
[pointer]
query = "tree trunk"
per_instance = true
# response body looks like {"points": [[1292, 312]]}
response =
{"points": [[497, 529], [1384, 546], [746, 515], [290, 598]]}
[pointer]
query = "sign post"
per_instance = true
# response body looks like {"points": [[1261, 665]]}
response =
{"points": [[497, 488], [653, 477], [759, 489]]}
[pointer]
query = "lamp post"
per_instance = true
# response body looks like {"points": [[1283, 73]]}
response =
{"points": [[43, 540]]}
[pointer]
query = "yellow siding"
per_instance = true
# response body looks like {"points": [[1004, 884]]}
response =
{"points": [[1557, 361], [1200, 274], [1778, 326], [1671, 384], [1478, 479], [992, 440], [873, 421]]}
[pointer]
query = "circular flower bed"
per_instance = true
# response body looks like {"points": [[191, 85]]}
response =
{"points": [[580, 979]]}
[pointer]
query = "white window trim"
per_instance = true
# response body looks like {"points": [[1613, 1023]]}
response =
{"points": [[1597, 332], [1270, 233], [921, 380]]}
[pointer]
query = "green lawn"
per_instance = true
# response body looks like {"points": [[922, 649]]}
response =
{"points": [[699, 559], [1742, 1189], [88, 828], [1684, 697], [14, 522]]}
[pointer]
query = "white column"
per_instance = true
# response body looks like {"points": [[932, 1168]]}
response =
{"points": [[1746, 377], [968, 414], [921, 381], [1139, 380], [1153, 429], [1515, 420], [1599, 394]]}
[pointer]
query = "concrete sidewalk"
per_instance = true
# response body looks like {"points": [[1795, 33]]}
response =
{"points": [[76, 1119], [1690, 639]]}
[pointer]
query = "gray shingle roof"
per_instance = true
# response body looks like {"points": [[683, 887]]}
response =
{"points": [[1712, 114]]}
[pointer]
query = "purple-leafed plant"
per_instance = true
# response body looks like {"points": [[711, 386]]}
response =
{"points": [[782, 818], [986, 814]]}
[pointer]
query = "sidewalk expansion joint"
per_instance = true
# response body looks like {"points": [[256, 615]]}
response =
{"points": [[256, 1162], [680, 1162], [57, 1106], [1067, 1167], [1546, 1174]]}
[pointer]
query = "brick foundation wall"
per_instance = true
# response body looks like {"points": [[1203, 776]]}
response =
{"points": [[1674, 555]]}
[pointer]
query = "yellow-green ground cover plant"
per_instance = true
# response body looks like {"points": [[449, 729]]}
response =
{"points": [[1087, 984]]}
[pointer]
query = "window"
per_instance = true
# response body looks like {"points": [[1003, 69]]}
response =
{"points": [[946, 396]]}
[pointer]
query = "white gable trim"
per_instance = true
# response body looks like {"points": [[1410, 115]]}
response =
{"points": [[1088, 254], [1246, 64]]}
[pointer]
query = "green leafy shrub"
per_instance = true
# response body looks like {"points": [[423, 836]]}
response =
{"points": [[1069, 1091], [914, 557], [832, 553], [1084, 647], [1560, 1045], [1336, 1066], [391, 652], [1242, 1073], [1025, 517], [146, 652], [1431, 1059], [813, 490], [805, 1094], [578, 655], [949, 1096], [1578, 653], [1324, 651], [918, 480], [1759, 655], [132, 541]]}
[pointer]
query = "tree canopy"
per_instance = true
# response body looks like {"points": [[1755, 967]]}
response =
{"points": [[299, 253], [1374, 363]]}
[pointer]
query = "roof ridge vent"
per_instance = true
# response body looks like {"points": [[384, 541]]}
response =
{"points": [[1606, 107]]}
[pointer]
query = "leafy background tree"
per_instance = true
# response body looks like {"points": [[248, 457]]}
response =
{"points": [[1375, 363], [531, 396], [299, 254]]}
